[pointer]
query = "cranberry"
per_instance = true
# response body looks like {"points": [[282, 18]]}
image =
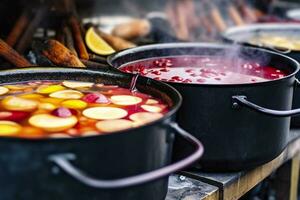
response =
{"points": [[177, 78], [156, 72]]}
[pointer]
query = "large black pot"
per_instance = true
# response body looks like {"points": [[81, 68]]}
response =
{"points": [[132, 164], [235, 137], [241, 35]]}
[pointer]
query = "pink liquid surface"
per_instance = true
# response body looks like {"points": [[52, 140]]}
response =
{"points": [[203, 70]]}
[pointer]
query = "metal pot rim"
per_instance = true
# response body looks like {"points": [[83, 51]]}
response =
{"points": [[169, 114], [132, 51]]}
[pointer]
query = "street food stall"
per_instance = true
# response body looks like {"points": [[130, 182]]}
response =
{"points": [[152, 100]]}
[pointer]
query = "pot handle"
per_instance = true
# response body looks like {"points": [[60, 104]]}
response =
{"points": [[242, 101], [63, 162]]}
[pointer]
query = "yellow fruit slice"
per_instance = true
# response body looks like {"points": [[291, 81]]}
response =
{"points": [[74, 104], [52, 123], [19, 104], [31, 96], [75, 84], [47, 106], [114, 125], [154, 109], [104, 113], [96, 44], [3, 90], [47, 89], [151, 101], [145, 117], [125, 100], [67, 94], [54, 101], [8, 128]]}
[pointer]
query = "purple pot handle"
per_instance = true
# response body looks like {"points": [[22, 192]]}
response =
{"points": [[63, 162]]}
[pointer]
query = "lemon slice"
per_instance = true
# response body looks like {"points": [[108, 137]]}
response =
{"points": [[52, 123], [96, 44], [105, 113], [125, 100], [66, 94], [8, 128], [114, 125]]}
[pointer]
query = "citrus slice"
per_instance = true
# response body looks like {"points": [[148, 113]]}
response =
{"points": [[105, 113], [114, 125], [19, 104], [76, 84], [151, 101], [67, 94], [125, 100], [52, 123], [3, 90], [8, 128], [96, 44], [145, 117], [74, 104]]}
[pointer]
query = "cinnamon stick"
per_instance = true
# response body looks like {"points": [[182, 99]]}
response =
{"points": [[17, 29], [12, 56], [77, 34], [60, 55], [133, 29], [26, 38], [217, 19], [69, 40], [235, 16]]}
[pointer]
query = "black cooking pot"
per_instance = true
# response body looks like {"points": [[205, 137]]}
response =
{"points": [[131, 164], [241, 35], [235, 137]]}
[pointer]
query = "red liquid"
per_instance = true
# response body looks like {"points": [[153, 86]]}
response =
{"points": [[203, 70]]}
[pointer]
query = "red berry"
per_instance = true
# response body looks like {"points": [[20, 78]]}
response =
{"points": [[63, 112], [13, 115]]}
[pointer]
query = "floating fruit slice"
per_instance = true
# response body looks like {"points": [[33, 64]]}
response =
{"points": [[75, 84], [47, 106], [96, 44], [145, 117], [54, 101], [52, 123], [150, 108], [74, 104], [8, 128], [105, 113], [90, 133], [125, 100], [3, 90], [48, 89], [114, 125], [96, 98], [13, 115], [31, 96], [151, 101], [17, 87], [67, 94], [19, 104], [59, 135]]}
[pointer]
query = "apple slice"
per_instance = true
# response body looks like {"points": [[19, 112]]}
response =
{"points": [[141, 118], [151, 101], [105, 113], [74, 104], [153, 109], [3, 90], [48, 89], [125, 100], [47, 106], [66, 94], [77, 84], [19, 104], [8, 128], [109, 126], [52, 123]]}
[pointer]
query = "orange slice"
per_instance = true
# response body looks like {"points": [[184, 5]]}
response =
{"points": [[114, 125], [105, 113], [96, 44]]}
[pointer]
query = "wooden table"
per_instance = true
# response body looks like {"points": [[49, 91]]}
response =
{"points": [[192, 185]]}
